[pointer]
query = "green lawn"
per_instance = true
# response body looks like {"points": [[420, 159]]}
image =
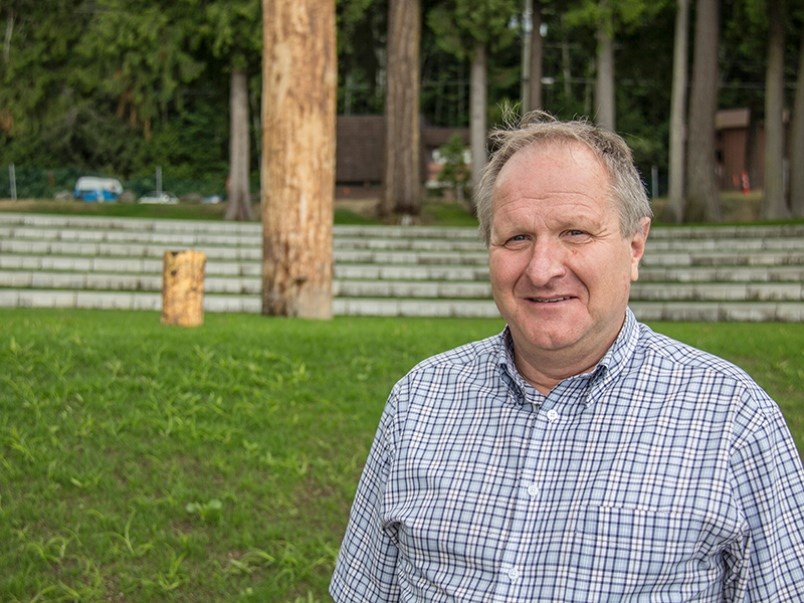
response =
{"points": [[140, 462]]}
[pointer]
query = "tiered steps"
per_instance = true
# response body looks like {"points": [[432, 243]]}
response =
{"points": [[735, 273]]}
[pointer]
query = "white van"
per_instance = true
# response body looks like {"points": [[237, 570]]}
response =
{"points": [[91, 188]]}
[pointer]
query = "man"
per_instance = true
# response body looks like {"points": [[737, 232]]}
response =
{"points": [[577, 456]]}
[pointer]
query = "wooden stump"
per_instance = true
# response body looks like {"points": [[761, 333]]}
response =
{"points": [[183, 288]]}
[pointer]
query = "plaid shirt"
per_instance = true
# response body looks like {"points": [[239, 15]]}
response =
{"points": [[666, 474]]}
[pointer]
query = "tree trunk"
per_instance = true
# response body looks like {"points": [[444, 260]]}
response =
{"points": [[797, 141], [298, 166], [604, 78], [703, 202], [566, 61], [534, 49], [477, 102], [527, 40], [183, 288], [402, 182], [678, 111], [774, 205], [238, 194]]}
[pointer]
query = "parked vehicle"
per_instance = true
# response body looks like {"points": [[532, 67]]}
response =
{"points": [[161, 197], [93, 188]]}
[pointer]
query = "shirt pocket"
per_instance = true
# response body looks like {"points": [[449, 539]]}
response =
{"points": [[635, 554]]}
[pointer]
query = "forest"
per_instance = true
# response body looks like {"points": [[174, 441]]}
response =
{"points": [[119, 88]]}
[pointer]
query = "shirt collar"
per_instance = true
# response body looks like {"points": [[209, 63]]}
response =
{"points": [[610, 366]]}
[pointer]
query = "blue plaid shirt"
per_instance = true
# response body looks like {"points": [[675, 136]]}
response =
{"points": [[665, 474]]}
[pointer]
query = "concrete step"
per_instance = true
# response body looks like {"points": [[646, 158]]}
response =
{"points": [[689, 273], [106, 300], [424, 289], [251, 239], [15, 247]]}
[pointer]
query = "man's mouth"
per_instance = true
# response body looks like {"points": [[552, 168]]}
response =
{"points": [[550, 300]]}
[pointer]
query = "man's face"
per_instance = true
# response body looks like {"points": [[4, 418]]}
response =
{"points": [[561, 269]]}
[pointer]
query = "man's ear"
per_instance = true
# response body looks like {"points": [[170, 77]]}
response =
{"points": [[638, 241]]}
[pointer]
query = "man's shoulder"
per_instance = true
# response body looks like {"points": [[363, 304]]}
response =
{"points": [[482, 352], [662, 352]]}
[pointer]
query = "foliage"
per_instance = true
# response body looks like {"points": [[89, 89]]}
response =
{"points": [[152, 463], [455, 170], [115, 87]]}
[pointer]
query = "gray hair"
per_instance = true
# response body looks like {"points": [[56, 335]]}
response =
{"points": [[538, 127]]}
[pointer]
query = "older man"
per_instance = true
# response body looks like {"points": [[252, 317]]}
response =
{"points": [[578, 455]]}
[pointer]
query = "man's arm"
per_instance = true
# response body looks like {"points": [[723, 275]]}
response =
{"points": [[366, 566], [769, 483]]}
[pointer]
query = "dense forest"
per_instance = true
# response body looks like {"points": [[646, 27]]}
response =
{"points": [[121, 88]]}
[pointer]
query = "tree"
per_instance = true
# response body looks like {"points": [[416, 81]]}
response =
{"points": [[402, 181], [609, 18], [702, 203], [232, 28], [774, 202], [604, 74], [678, 111], [533, 57], [467, 29], [797, 142], [298, 161]]}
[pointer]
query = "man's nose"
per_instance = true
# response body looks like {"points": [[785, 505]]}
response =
{"points": [[546, 262]]}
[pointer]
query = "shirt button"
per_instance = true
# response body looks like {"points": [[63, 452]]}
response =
{"points": [[552, 415], [513, 574], [533, 490]]}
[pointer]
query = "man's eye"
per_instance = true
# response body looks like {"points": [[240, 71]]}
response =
{"points": [[516, 239], [577, 233]]}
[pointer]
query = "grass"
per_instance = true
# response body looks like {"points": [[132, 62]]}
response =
{"points": [[150, 463], [346, 211]]}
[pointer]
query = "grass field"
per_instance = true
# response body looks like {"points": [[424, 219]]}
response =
{"points": [[140, 462]]}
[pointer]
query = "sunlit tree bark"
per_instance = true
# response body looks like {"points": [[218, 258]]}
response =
{"points": [[298, 165]]}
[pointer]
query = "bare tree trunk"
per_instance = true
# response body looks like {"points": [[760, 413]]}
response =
{"points": [[797, 141], [604, 78], [298, 167], [402, 182], [678, 111], [703, 203], [566, 61], [477, 102], [534, 49], [238, 194], [774, 204], [527, 40]]}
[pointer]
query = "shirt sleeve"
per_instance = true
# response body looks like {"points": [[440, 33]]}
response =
{"points": [[769, 484], [366, 565]]}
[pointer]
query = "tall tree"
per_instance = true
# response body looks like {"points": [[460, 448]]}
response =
{"points": [[774, 202], [797, 140], [678, 112], [609, 18], [533, 57], [233, 27], [298, 161], [702, 202], [402, 181], [604, 73], [467, 29]]}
